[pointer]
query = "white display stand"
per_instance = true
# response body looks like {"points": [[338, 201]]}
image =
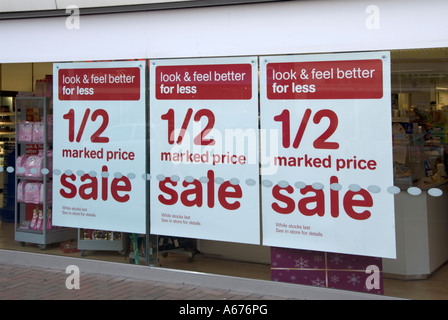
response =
{"points": [[421, 235]]}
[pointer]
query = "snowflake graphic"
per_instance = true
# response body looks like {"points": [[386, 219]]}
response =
{"points": [[336, 259], [292, 278], [353, 279], [318, 283], [334, 279], [301, 263], [318, 258]]}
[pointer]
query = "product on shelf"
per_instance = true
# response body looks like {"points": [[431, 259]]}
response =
{"points": [[49, 220], [21, 191], [33, 192], [38, 132], [44, 87], [32, 165], [37, 221], [40, 218], [49, 193], [49, 127], [28, 131], [25, 131], [33, 224], [89, 234]]}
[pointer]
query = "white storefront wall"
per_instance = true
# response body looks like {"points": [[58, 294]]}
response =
{"points": [[286, 27]]}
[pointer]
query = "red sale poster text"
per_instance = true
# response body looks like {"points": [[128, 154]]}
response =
{"points": [[99, 146], [204, 149], [329, 163]]}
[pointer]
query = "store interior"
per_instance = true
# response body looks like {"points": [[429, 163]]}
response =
{"points": [[420, 126]]}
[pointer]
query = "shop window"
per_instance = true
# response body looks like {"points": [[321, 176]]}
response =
{"points": [[420, 117]]}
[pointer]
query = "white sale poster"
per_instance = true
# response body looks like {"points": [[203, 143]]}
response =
{"points": [[99, 149], [326, 153], [204, 149]]}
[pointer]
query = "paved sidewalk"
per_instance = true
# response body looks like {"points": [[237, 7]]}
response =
{"points": [[30, 276], [31, 283]]}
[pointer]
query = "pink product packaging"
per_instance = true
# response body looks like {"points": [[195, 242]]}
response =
{"points": [[50, 128], [34, 219], [41, 192], [32, 192], [20, 165], [25, 131], [21, 191], [49, 220], [34, 166], [38, 132], [49, 159], [31, 166]]}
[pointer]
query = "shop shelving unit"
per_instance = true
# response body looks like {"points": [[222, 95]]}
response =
{"points": [[7, 133], [7, 147], [100, 240], [23, 234]]}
